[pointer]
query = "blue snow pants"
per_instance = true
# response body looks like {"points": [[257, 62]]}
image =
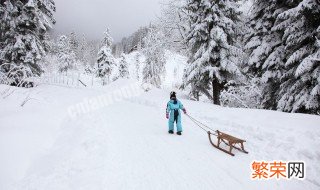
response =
{"points": [[175, 114]]}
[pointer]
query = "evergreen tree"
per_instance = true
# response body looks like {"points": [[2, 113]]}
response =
{"points": [[123, 67], [92, 51], [137, 65], [66, 55], [283, 52], [74, 43], [154, 68], [105, 60], [24, 25], [265, 49], [213, 55], [300, 81], [83, 50]]}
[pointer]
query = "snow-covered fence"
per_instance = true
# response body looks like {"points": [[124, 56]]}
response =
{"points": [[72, 79], [58, 79]]}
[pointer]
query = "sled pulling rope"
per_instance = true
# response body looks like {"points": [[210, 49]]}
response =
{"points": [[227, 139]]}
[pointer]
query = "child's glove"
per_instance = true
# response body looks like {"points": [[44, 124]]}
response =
{"points": [[167, 115], [184, 111]]}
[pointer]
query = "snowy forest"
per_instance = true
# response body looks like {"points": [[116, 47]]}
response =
{"points": [[265, 57]]}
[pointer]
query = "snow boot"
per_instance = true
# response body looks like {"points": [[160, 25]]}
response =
{"points": [[170, 131], [179, 133]]}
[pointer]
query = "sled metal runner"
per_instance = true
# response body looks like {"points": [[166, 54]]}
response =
{"points": [[228, 140], [225, 138]]}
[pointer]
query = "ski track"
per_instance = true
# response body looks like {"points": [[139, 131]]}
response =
{"points": [[126, 146]]}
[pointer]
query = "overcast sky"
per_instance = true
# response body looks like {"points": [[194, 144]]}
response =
{"points": [[92, 17]]}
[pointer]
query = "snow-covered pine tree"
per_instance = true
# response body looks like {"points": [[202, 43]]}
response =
{"points": [[265, 49], [74, 43], [123, 67], [137, 65], [66, 55], [300, 81], [83, 50], [24, 25], [213, 55], [92, 50], [154, 68], [105, 60]]}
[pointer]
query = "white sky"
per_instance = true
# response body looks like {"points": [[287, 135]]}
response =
{"points": [[92, 17]]}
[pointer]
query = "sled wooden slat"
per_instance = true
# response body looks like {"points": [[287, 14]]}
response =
{"points": [[229, 140]]}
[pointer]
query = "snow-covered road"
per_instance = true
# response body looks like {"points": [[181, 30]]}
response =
{"points": [[126, 145]]}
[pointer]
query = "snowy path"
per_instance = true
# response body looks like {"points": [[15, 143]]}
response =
{"points": [[126, 145]]}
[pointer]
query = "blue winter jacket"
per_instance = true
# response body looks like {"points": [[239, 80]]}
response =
{"points": [[173, 108]]}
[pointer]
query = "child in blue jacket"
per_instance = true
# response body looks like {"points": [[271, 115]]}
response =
{"points": [[173, 113]]}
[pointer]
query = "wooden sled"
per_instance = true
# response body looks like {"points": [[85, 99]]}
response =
{"points": [[229, 141]]}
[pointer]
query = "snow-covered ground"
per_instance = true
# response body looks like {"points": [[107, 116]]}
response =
{"points": [[125, 144]]}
